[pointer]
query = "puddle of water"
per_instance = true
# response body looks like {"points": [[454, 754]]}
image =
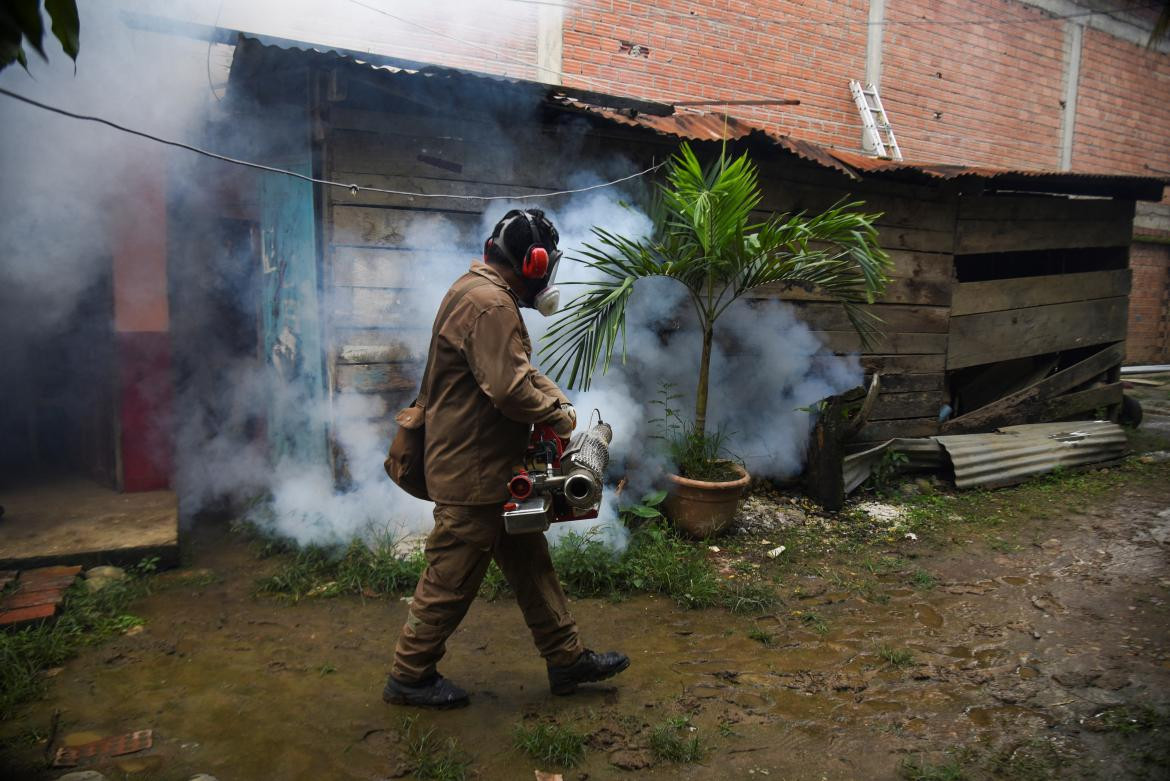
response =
{"points": [[927, 616], [897, 593], [793, 705], [1002, 715], [876, 706], [1013, 580]]}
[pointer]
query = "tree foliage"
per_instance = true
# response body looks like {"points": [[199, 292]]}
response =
{"points": [[706, 239], [21, 23]]}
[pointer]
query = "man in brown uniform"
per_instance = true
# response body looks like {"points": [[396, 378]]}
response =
{"points": [[483, 397]]}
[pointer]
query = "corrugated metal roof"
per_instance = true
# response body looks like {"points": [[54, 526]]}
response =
{"points": [[1059, 181], [697, 125], [693, 125], [1014, 453]]}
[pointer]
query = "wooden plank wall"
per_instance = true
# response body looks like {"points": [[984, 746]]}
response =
{"points": [[932, 324], [917, 230], [378, 246], [1004, 319]]}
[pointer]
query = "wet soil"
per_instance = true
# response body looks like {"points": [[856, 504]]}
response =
{"points": [[1017, 654]]}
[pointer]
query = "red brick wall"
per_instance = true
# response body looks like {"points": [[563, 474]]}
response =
{"points": [[982, 94], [1149, 302], [728, 49], [1123, 108]]}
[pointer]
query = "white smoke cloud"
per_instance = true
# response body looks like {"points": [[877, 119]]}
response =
{"points": [[63, 180]]}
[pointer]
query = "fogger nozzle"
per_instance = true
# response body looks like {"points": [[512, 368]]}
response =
{"points": [[586, 460]]}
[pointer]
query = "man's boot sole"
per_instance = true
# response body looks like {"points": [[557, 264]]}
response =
{"points": [[398, 699], [572, 688]]}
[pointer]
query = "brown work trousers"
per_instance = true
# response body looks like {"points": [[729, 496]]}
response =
{"points": [[460, 547]]}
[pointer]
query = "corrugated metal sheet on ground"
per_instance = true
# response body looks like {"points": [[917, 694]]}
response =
{"points": [[921, 455], [1015, 453]]}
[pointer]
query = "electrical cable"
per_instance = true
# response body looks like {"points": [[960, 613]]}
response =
{"points": [[353, 188]]}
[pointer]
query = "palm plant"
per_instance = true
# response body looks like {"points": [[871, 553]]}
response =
{"points": [[705, 238]]}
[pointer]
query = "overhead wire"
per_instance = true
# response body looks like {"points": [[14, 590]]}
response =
{"points": [[351, 187]]}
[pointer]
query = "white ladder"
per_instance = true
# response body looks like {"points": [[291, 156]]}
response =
{"points": [[878, 131]]}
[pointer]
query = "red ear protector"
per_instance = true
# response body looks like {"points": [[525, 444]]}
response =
{"points": [[536, 262], [535, 265]]}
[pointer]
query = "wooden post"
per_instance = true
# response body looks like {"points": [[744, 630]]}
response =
{"points": [[839, 419]]}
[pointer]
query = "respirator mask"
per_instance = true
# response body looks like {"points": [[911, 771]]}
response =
{"points": [[538, 267]]}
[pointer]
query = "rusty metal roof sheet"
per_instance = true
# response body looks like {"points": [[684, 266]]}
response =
{"points": [[1014, 453], [691, 125], [1059, 181], [695, 125]]}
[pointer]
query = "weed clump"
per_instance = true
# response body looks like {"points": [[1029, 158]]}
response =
{"points": [[762, 636], [360, 567], [669, 744], [550, 743], [916, 770], [86, 619], [748, 597], [430, 757], [896, 657], [656, 561]]}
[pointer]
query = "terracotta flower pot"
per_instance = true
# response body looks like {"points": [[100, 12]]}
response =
{"points": [[703, 509]]}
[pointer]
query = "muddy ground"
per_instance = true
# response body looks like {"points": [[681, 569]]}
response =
{"points": [[1031, 645]]}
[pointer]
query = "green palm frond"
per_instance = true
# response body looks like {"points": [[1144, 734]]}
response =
{"points": [[704, 238]]}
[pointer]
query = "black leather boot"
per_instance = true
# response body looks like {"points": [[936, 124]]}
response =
{"points": [[437, 692], [589, 667]]}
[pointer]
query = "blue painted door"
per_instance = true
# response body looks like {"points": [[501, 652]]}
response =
{"points": [[291, 317]]}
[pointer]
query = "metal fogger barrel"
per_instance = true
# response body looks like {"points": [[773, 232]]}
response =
{"points": [[584, 464], [558, 482]]}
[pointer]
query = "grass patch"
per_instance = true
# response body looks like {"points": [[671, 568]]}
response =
{"points": [[814, 622], [914, 769], [550, 743], [85, 619], [669, 743], [762, 636], [921, 579], [1033, 760], [657, 561], [1134, 719], [358, 568], [746, 596], [494, 584], [431, 758], [896, 657]]}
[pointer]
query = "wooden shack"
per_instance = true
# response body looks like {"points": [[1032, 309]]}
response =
{"points": [[1006, 284]]}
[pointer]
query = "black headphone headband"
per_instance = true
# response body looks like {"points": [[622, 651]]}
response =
{"points": [[497, 238]]}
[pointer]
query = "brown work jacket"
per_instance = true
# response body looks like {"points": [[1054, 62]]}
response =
{"points": [[484, 394]]}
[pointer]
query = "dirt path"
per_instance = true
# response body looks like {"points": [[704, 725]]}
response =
{"points": [[1034, 657]]}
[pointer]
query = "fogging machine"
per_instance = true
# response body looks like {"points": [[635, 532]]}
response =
{"points": [[560, 480]]}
